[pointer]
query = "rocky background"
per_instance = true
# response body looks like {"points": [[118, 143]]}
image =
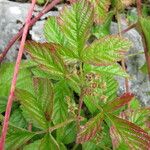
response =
{"points": [[12, 16]]}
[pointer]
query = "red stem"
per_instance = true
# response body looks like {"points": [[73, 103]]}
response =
{"points": [[139, 7], [31, 23], [14, 80]]}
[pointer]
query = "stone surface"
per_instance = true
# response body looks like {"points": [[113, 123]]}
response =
{"points": [[139, 82], [12, 16]]}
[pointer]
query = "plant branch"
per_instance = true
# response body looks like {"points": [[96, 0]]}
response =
{"points": [[129, 28], [14, 80], [31, 23], [139, 7]]}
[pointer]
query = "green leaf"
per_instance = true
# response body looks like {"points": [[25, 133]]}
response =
{"points": [[32, 107], [33, 146], [24, 80], [17, 119], [89, 130], [49, 143], [45, 95], [75, 23], [60, 106], [69, 133], [119, 102], [88, 100], [101, 9], [110, 91], [18, 138], [129, 133], [3, 103], [106, 51], [89, 146], [53, 33], [139, 116], [103, 70], [145, 24], [144, 69], [47, 58], [104, 29]]}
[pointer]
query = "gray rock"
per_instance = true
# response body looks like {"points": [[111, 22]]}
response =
{"points": [[12, 16], [139, 82]]}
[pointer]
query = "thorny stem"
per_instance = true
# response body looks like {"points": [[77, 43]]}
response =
{"points": [[14, 80], [31, 23], [123, 60], [147, 56]]}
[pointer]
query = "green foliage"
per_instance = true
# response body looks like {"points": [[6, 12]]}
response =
{"points": [[68, 93], [145, 25]]}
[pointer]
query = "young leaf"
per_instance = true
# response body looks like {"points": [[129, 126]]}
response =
{"points": [[32, 106], [129, 133], [119, 102], [106, 51], [75, 23], [89, 130], [47, 58]]}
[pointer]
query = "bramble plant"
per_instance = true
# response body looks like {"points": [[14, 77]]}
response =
{"points": [[66, 95]]}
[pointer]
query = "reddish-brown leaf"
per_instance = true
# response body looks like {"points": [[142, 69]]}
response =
{"points": [[119, 102], [89, 130]]}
